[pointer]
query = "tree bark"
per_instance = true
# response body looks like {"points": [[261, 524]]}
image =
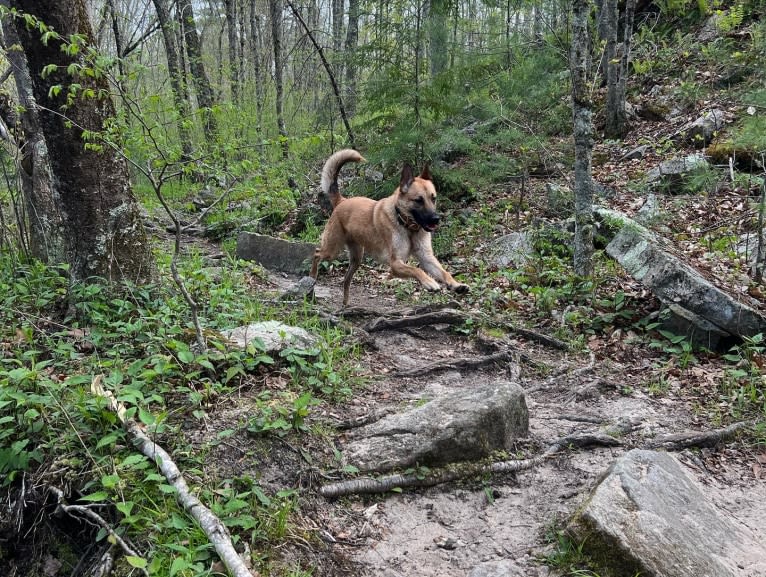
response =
{"points": [[337, 25], [255, 50], [81, 198], [199, 75], [352, 41], [437, 32], [275, 14], [47, 225], [175, 73], [231, 27], [583, 137]]}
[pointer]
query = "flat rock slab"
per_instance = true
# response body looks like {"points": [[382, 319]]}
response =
{"points": [[274, 335], [675, 282], [670, 170], [647, 516], [464, 425], [275, 253]]}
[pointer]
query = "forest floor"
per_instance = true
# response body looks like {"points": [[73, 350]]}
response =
{"points": [[514, 520], [513, 524]]}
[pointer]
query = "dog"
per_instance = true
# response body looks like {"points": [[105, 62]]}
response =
{"points": [[390, 230]]}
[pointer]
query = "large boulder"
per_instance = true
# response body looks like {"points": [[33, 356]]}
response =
{"points": [[275, 253], [464, 425], [647, 516], [673, 281], [671, 172]]}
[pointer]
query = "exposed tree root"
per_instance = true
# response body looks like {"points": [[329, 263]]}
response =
{"points": [[680, 441], [539, 338], [443, 317], [215, 530], [94, 518], [457, 364]]}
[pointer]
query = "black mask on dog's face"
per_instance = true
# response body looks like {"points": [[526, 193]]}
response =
{"points": [[420, 197]]}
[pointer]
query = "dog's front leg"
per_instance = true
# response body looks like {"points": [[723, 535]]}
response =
{"points": [[434, 268], [401, 269]]}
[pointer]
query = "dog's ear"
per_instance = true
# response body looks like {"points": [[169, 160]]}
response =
{"points": [[407, 178], [426, 173]]}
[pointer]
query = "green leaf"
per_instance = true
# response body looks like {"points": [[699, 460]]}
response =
{"points": [[137, 562], [97, 496], [185, 356], [178, 564]]}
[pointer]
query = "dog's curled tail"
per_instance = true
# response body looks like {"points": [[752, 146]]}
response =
{"points": [[332, 168]]}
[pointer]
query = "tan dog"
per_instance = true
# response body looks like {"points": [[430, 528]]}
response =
{"points": [[390, 230]]}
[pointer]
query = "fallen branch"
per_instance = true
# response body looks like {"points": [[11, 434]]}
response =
{"points": [[443, 317], [680, 441], [92, 517], [436, 477], [463, 470], [457, 364], [215, 530]]}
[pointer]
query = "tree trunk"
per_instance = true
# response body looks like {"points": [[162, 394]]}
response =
{"points": [[352, 41], [255, 51], [437, 29], [176, 77], [611, 62], [86, 209], [337, 26], [275, 13], [617, 70], [119, 49], [231, 27], [200, 79], [48, 232], [583, 137]]}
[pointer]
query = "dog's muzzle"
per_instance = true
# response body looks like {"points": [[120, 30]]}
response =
{"points": [[428, 221]]}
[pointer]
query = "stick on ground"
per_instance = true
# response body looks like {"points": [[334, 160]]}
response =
{"points": [[215, 530]]}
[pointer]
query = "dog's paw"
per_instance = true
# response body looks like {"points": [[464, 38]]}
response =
{"points": [[432, 285], [460, 288]]}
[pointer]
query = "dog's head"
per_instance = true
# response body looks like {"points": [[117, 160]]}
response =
{"points": [[417, 199]]}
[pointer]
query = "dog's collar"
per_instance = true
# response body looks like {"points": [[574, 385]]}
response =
{"points": [[408, 222]]}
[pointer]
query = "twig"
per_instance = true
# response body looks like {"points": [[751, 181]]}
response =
{"points": [[93, 517], [457, 364], [215, 530], [679, 441]]}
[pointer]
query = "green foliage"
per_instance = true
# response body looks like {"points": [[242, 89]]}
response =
{"points": [[743, 390]]}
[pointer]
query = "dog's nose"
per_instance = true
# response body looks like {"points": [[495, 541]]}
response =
{"points": [[433, 219]]}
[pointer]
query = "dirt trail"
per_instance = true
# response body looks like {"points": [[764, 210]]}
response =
{"points": [[495, 526]]}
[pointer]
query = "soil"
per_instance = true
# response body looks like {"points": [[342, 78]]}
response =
{"points": [[502, 525]]}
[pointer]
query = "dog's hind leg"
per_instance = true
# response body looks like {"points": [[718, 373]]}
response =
{"points": [[355, 256], [331, 244]]}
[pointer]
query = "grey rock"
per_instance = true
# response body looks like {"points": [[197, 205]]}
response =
{"points": [[275, 253], [647, 516], [700, 332], [673, 281], [670, 170], [303, 289], [511, 250], [701, 131], [274, 335], [636, 153], [560, 198], [648, 211], [461, 426]]}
